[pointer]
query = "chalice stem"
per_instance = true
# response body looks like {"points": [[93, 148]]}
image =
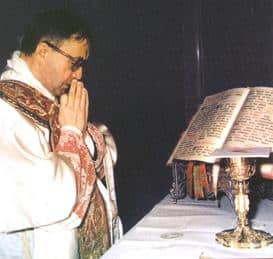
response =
{"points": [[241, 203]]}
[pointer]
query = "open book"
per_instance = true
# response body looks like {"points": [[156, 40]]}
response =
{"points": [[235, 119]]}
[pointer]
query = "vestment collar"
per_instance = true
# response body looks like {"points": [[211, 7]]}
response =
{"points": [[17, 69]]}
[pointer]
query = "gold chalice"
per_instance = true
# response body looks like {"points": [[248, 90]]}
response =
{"points": [[242, 236]]}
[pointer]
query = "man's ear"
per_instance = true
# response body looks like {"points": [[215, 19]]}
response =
{"points": [[42, 50]]}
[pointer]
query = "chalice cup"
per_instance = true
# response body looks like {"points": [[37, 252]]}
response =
{"points": [[242, 236]]}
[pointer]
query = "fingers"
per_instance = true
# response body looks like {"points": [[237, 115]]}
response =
{"points": [[86, 106], [82, 99], [72, 92], [63, 100], [80, 96], [63, 104], [76, 94], [74, 106]]}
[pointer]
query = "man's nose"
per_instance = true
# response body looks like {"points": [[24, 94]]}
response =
{"points": [[77, 74]]}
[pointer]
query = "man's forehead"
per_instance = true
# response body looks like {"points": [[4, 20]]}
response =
{"points": [[76, 47]]}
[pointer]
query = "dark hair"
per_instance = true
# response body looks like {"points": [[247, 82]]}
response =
{"points": [[54, 26]]}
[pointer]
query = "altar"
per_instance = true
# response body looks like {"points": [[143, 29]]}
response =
{"points": [[187, 229]]}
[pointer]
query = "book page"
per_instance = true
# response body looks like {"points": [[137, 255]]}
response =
{"points": [[210, 126], [254, 125], [242, 152]]}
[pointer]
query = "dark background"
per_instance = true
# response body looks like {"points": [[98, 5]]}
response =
{"points": [[152, 63]]}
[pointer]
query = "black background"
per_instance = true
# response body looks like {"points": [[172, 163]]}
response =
{"points": [[152, 62]]}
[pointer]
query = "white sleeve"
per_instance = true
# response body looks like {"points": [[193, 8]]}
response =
{"points": [[37, 187]]}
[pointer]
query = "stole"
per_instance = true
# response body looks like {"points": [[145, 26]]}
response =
{"points": [[93, 233]]}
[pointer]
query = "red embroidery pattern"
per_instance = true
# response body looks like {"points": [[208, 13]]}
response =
{"points": [[98, 139], [72, 147]]}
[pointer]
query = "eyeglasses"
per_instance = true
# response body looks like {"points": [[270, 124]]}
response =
{"points": [[76, 62]]}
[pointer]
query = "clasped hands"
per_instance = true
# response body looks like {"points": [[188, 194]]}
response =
{"points": [[74, 107]]}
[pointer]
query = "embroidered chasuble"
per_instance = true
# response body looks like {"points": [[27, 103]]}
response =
{"points": [[89, 210]]}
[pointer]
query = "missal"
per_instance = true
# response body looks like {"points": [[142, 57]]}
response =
{"points": [[232, 121]]}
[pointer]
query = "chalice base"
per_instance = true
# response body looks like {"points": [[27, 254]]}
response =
{"points": [[244, 237]]}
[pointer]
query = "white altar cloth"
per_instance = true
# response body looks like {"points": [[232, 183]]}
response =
{"points": [[187, 231]]}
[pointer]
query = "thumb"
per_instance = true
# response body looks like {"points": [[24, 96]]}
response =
{"points": [[63, 100]]}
